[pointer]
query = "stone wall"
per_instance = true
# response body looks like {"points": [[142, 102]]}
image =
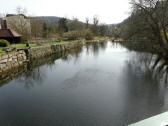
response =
{"points": [[44, 51], [11, 61]]}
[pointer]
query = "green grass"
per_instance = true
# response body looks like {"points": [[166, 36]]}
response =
{"points": [[23, 46], [63, 42], [1, 52]]}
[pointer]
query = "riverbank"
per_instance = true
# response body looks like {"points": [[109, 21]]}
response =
{"points": [[142, 46], [28, 67], [18, 57], [42, 43]]}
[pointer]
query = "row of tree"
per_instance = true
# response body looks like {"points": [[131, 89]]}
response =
{"points": [[55, 27], [148, 22], [41, 28]]}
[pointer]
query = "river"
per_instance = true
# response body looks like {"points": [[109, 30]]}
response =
{"points": [[101, 84]]}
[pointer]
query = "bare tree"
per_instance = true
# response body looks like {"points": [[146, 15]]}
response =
{"points": [[87, 23], [36, 27], [20, 23], [24, 22], [20, 10], [95, 20], [155, 15], [95, 24]]}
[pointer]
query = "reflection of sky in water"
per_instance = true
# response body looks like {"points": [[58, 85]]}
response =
{"points": [[103, 84]]}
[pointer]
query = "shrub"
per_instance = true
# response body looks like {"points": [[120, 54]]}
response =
{"points": [[88, 35], [72, 35], [4, 43]]}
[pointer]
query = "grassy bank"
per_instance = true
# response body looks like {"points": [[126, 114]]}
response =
{"points": [[23, 46], [36, 45]]}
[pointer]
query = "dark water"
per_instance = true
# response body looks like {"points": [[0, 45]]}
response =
{"points": [[99, 85]]}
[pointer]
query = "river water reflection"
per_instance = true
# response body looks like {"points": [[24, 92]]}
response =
{"points": [[101, 84]]}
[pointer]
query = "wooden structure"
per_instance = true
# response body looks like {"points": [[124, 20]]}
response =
{"points": [[10, 35]]}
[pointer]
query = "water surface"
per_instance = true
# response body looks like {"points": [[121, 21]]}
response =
{"points": [[99, 85]]}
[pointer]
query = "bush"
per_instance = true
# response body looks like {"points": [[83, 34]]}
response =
{"points": [[88, 35], [72, 35], [4, 43]]}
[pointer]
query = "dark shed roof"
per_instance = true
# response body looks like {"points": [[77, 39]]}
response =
{"points": [[8, 33], [11, 15]]}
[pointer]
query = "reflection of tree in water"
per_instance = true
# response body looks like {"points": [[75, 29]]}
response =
{"points": [[154, 66], [161, 65], [145, 86], [35, 73], [73, 53], [103, 45], [140, 64], [158, 63], [113, 44], [33, 77], [95, 47], [88, 46]]}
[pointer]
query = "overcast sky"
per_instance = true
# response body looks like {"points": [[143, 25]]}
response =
{"points": [[108, 11]]}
